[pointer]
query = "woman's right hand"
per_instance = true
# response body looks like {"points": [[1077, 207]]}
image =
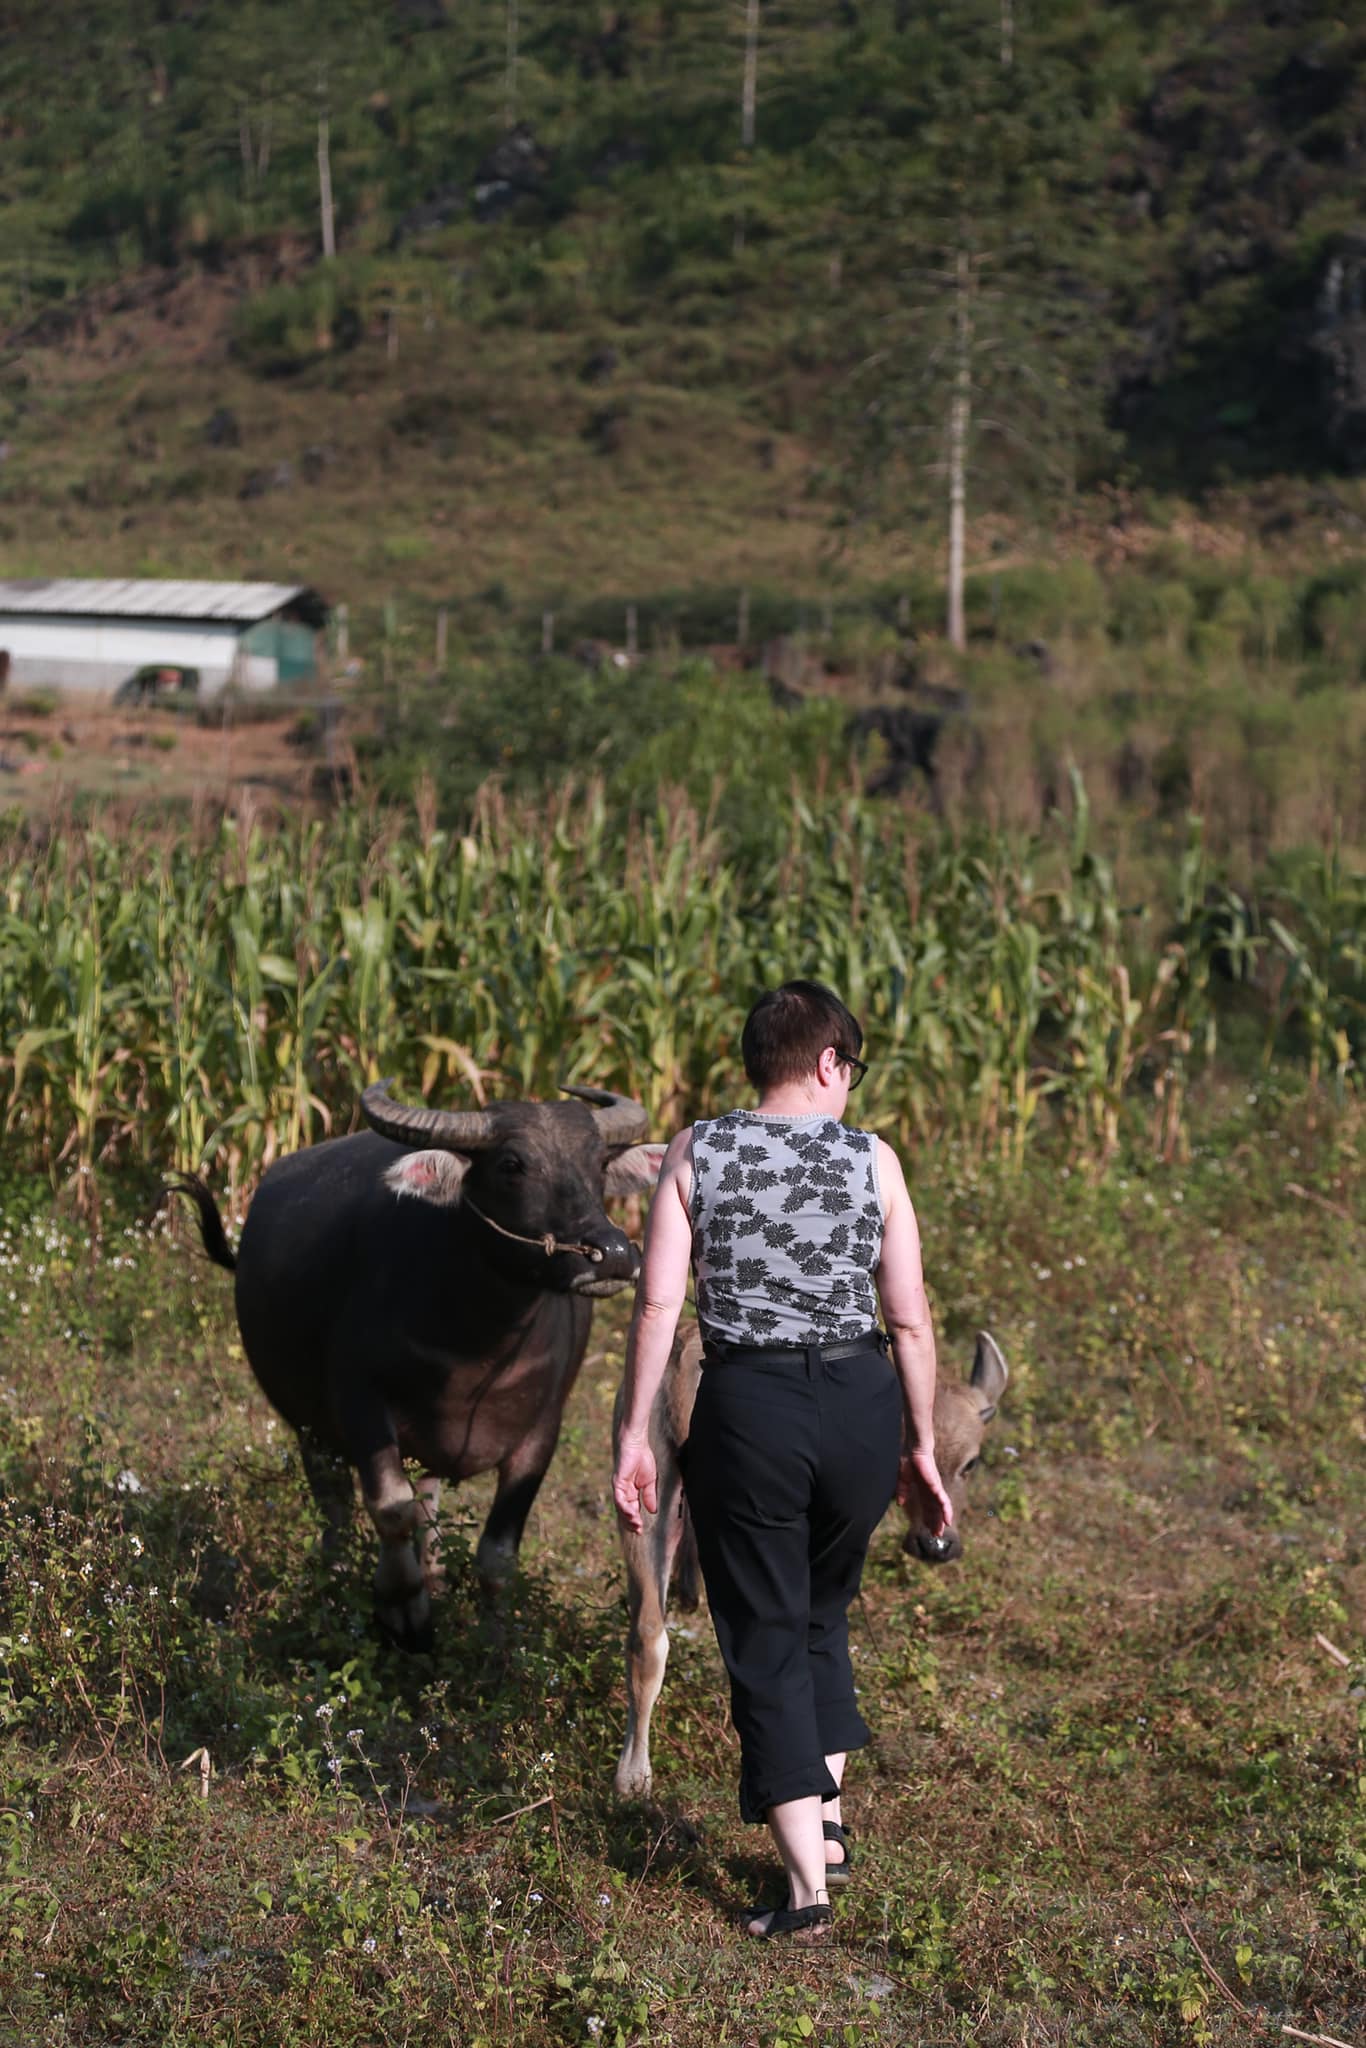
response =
{"points": [[919, 1486], [635, 1482]]}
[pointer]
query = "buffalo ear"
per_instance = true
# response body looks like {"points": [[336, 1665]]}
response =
{"points": [[431, 1176], [634, 1170], [989, 1373]]}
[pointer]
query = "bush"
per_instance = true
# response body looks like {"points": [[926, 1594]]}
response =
{"points": [[283, 329]]}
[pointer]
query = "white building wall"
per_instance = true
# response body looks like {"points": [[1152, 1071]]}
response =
{"points": [[98, 654]]}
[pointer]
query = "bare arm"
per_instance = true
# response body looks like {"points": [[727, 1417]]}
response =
{"points": [[906, 1312], [660, 1294]]}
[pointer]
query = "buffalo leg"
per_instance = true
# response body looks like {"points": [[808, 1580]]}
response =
{"points": [[332, 1487], [650, 1559], [429, 1555], [402, 1605], [519, 1482]]}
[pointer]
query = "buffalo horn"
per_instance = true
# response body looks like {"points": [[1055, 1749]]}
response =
{"points": [[449, 1130], [620, 1121]]}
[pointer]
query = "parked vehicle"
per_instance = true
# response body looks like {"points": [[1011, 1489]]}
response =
{"points": [[156, 680]]}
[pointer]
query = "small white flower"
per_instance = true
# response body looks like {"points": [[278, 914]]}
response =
{"points": [[369, 1944], [604, 1898], [534, 1898]]}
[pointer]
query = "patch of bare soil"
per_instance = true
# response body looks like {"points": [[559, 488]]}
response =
{"points": [[85, 748], [180, 314]]}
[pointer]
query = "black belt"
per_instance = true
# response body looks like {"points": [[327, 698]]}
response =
{"points": [[786, 1354]]}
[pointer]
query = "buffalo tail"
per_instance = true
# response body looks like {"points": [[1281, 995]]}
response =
{"points": [[210, 1222]]}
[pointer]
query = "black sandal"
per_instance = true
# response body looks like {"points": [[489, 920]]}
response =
{"points": [[806, 1926], [838, 1873]]}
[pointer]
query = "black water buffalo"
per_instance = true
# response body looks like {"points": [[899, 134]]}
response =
{"points": [[424, 1290]]}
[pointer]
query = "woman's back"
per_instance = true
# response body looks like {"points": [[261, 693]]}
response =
{"points": [[787, 1229]]}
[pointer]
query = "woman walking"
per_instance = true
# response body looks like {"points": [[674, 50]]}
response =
{"points": [[796, 1228]]}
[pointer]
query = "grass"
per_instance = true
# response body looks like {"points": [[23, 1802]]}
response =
{"points": [[516, 493], [1117, 1790]]}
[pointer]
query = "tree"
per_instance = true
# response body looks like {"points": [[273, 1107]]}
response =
{"points": [[976, 377], [749, 84], [512, 28], [329, 226], [979, 387]]}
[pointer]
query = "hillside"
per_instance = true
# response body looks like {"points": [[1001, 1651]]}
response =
{"points": [[583, 347], [563, 278]]}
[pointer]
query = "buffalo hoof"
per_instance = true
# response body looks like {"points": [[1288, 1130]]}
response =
{"points": [[495, 1567], [414, 1640], [407, 1624]]}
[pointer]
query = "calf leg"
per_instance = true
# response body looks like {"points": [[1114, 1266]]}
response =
{"points": [[650, 1557]]}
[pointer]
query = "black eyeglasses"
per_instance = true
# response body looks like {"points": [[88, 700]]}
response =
{"points": [[858, 1068]]}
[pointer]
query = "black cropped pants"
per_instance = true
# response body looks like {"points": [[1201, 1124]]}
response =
{"points": [[789, 1467]]}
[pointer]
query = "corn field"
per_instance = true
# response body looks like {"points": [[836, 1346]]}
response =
{"points": [[211, 1000]]}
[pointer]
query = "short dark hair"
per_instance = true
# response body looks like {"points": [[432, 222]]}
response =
{"points": [[789, 1028]]}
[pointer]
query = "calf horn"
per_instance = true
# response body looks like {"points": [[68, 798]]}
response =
{"points": [[449, 1130], [620, 1121]]}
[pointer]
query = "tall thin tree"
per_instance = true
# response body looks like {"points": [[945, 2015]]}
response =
{"points": [[329, 225], [512, 34], [960, 424], [749, 83]]}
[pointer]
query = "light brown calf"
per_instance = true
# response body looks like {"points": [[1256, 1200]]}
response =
{"points": [[665, 1546]]}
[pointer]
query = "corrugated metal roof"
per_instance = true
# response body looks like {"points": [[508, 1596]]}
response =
{"points": [[149, 598]]}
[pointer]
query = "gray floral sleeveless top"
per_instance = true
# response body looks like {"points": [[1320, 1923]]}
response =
{"points": [[786, 1229]]}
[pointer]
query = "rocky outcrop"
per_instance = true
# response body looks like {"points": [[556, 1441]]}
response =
{"points": [[516, 167], [1337, 343]]}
